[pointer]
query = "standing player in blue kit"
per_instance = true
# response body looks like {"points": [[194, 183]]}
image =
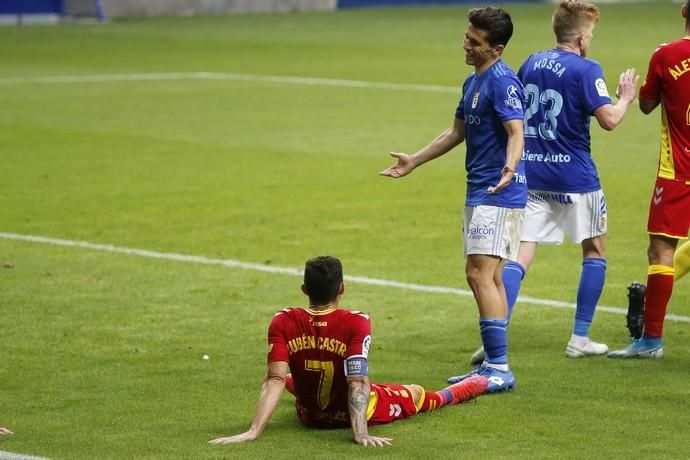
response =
{"points": [[489, 119], [564, 89]]}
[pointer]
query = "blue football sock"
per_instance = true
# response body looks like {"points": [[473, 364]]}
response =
{"points": [[513, 274], [495, 339], [588, 293], [651, 339]]}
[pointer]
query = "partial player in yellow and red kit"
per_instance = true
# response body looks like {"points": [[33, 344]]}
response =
{"points": [[667, 83], [326, 350]]}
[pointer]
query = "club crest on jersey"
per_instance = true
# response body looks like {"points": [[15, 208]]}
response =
{"points": [[600, 84], [475, 100]]}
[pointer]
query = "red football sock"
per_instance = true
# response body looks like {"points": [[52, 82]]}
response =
{"points": [[456, 393], [433, 400], [659, 289]]}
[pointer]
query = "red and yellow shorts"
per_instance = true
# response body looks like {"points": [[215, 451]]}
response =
{"points": [[669, 209], [388, 403]]}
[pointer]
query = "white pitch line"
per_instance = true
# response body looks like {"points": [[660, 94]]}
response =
{"points": [[100, 78], [329, 82], [294, 271], [4, 455], [294, 80]]}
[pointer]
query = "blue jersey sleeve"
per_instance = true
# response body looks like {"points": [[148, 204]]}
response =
{"points": [[460, 110], [508, 98], [594, 91]]}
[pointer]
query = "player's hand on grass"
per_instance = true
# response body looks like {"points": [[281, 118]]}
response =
{"points": [[506, 177], [244, 437], [368, 440], [627, 85], [4, 430], [402, 167]]}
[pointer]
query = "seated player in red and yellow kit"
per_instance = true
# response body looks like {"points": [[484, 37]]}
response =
{"points": [[326, 350]]}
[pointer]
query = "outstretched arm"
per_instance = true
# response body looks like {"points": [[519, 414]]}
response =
{"points": [[358, 390], [443, 143], [514, 148], [609, 115], [271, 390]]}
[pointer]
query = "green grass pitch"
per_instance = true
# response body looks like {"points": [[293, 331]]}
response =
{"points": [[101, 352]]}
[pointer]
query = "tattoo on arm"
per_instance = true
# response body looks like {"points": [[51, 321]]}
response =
{"points": [[359, 400], [358, 403]]}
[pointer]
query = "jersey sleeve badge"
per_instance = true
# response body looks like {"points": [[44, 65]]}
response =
{"points": [[366, 344], [513, 97], [600, 84]]}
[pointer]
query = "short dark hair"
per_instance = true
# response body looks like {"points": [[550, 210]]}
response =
{"points": [[323, 276], [495, 21]]}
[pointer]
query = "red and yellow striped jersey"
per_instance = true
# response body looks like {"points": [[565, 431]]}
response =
{"points": [[668, 80]]}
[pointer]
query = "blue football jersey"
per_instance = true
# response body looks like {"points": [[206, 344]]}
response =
{"points": [[563, 89], [487, 101]]}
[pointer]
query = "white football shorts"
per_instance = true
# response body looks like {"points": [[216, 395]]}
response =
{"points": [[492, 231], [550, 215]]}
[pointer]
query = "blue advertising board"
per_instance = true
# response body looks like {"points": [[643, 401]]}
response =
{"points": [[31, 6]]}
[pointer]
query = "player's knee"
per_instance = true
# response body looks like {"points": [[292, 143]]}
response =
{"points": [[594, 247], [477, 278], [660, 252], [417, 393]]}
